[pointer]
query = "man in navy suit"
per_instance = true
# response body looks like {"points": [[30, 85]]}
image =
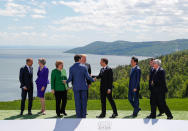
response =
{"points": [[134, 86], [26, 85], [78, 75]]}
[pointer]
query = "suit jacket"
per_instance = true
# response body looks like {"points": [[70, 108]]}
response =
{"points": [[89, 71], [78, 75], [106, 76], [42, 77], [134, 81], [159, 81], [26, 77], [152, 70]]}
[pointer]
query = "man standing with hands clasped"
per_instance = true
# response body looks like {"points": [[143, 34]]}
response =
{"points": [[134, 86], [26, 81], [106, 76], [152, 72], [158, 91]]}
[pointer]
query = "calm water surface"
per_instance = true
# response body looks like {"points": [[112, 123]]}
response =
{"points": [[12, 59]]}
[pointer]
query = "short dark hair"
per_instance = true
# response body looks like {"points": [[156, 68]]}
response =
{"points": [[105, 60], [135, 59], [77, 58], [28, 60], [151, 59]]}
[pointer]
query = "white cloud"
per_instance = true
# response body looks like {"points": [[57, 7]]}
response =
{"points": [[23, 38], [18, 9], [37, 16], [38, 38], [93, 20], [124, 15], [39, 11], [20, 28], [12, 9], [54, 2]]}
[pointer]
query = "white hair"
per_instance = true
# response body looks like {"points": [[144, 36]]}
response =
{"points": [[157, 61]]}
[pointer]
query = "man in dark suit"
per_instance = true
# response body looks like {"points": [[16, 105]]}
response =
{"points": [[78, 75], [106, 76], [152, 71], [134, 86], [26, 81], [158, 91], [88, 67]]}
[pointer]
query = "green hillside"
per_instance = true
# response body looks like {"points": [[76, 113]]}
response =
{"points": [[152, 48], [176, 67]]}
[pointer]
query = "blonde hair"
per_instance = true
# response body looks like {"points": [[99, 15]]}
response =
{"points": [[84, 55]]}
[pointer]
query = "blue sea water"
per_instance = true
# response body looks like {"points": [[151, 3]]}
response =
{"points": [[11, 60]]}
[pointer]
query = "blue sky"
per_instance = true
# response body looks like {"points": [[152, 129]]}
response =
{"points": [[79, 22]]}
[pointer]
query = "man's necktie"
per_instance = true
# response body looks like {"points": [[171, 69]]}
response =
{"points": [[30, 70]]}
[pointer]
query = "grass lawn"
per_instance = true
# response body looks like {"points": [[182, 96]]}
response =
{"points": [[10, 110], [174, 104], [14, 114]]}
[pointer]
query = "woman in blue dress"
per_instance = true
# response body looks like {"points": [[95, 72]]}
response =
{"points": [[42, 82]]}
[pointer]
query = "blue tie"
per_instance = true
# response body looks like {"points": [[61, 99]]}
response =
{"points": [[131, 71]]}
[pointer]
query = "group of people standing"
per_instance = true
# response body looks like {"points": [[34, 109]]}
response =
{"points": [[81, 79], [26, 84]]}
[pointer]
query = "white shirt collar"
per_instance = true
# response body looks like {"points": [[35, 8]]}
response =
{"points": [[83, 63], [28, 68], [105, 67], [134, 67], [157, 69]]}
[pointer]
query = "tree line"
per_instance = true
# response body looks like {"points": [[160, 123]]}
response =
{"points": [[175, 65]]}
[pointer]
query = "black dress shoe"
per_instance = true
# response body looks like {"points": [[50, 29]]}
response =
{"points": [[30, 114], [114, 115], [58, 116], [134, 115], [150, 117], [100, 116], [21, 113], [170, 117], [64, 113], [160, 114]]}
